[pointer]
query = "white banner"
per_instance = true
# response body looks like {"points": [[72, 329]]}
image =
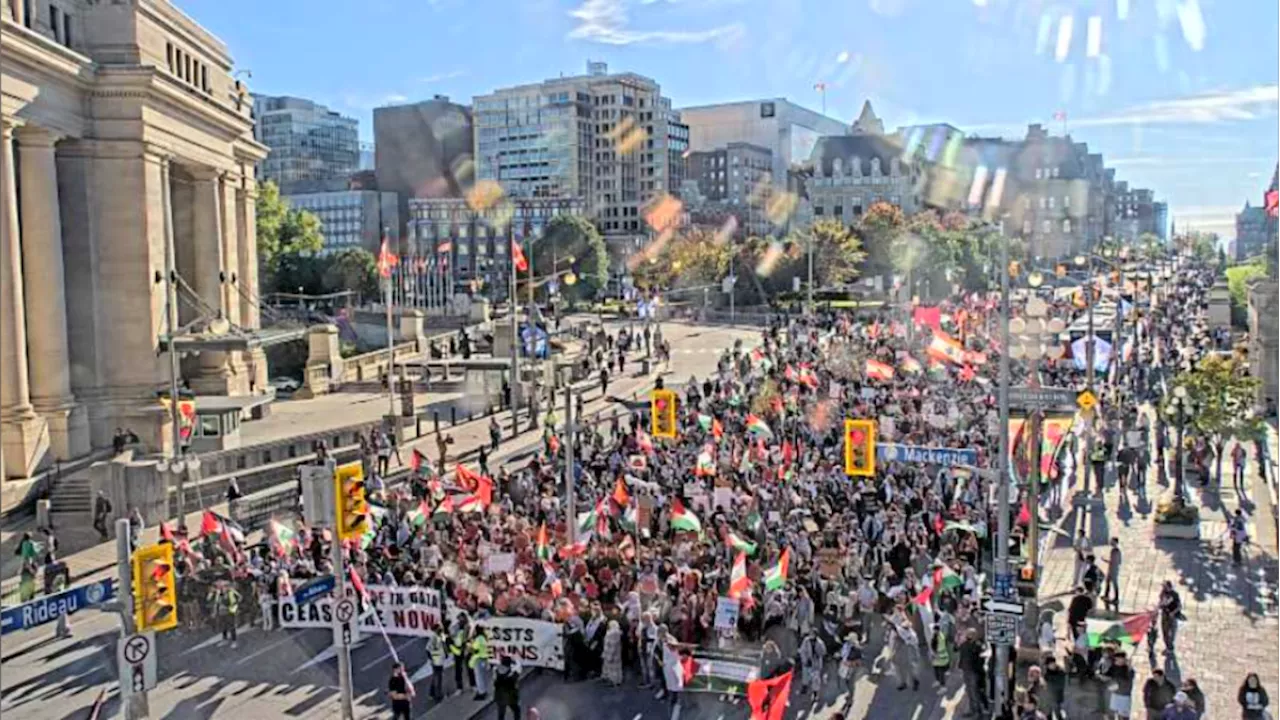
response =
{"points": [[403, 611], [532, 642]]}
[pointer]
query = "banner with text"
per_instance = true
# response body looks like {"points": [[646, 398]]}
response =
{"points": [[532, 642], [402, 610]]}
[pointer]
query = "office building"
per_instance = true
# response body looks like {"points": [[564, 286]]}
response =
{"points": [[1161, 219], [352, 218], [308, 141], [124, 134], [423, 150], [788, 131], [611, 139], [733, 180]]}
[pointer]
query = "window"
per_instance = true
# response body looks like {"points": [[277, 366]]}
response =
{"points": [[817, 211], [1051, 202], [53, 23], [1066, 225], [1046, 227], [837, 211], [209, 426], [1042, 202], [1026, 227], [1066, 201]]}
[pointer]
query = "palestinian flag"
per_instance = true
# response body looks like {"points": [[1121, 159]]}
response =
{"points": [[630, 518], [418, 460], [922, 598], [768, 698], [577, 549], [776, 576], [419, 515], [444, 509], [739, 543], [944, 578], [281, 538], [704, 422], [911, 365], [945, 348], [1128, 631], [738, 581], [877, 370], [758, 427], [808, 379], [470, 480], [472, 503], [211, 523], [627, 548], [684, 520], [544, 552], [620, 495], [706, 466]]}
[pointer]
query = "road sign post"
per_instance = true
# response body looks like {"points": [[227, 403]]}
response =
{"points": [[136, 658], [133, 702], [341, 639], [1043, 398], [56, 607]]}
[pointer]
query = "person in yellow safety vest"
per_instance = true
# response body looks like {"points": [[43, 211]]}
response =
{"points": [[436, 652], [480, 662], [941, 656], [459, 629]]}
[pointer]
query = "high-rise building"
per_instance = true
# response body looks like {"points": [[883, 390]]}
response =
{"points": [[788, 131], [1160, 213], [423, 150], [350, 216], [728, 181], [609, 138], [308, 141]]}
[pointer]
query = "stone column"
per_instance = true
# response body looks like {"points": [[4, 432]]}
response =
{"points": [[24, 433], [46, 300], [247, 256], [214, 375]]}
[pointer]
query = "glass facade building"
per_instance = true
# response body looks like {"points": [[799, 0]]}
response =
{"points": [[308, 141]]}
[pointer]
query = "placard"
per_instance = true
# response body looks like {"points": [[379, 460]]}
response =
{"points": [[402, 610], [727, 610], [830, 562], [723, 498], [532, 642], [499, 563], [644, 511]]}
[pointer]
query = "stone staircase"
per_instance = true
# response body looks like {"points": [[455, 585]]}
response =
{"points": [[71, 496]]}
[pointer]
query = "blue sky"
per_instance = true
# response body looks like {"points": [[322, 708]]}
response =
{"points": [[1180, 95]]}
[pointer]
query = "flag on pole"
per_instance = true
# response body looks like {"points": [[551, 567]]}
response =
{"points": [[620, 495], [418, 516], [468, 503], [444, 509], [738, 580], [776, 576], [517, 256], [544, 551], [682, 519], [211, 523], [706, 465], [1128, 631], [739, 543], [945, 348], [418, 460], [758, 427], [281, 538], [877, 370], [386, 259]]}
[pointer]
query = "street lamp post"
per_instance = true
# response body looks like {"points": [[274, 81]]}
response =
{"points": [[1089, 289], [1002, 494], [1181, 403]]}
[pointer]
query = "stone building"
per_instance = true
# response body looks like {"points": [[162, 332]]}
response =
{"points": [[126, 141], [733, 180]]}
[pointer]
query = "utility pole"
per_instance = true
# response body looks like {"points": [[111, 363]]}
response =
{"points": [[341, 638], [135, 704], [570, 438], [1002, 510], [1089, 361]]}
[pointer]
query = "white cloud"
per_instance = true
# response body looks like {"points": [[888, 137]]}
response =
{"points": [[395, 99], [441, 77], [1220, 219], [607, 22], [1175, 161], [843, 57]]}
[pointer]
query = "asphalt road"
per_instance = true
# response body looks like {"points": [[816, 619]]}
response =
{"points": [[269, 674]]}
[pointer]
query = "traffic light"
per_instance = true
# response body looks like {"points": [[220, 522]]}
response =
{"points": [[353, 508], [1060, 270], [1015, 268], [662, 406], [1027, 581], [860, 447], [155, 592]]}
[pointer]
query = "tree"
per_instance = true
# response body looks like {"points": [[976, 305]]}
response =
{"points": [[1222, 397], [351, 269], [572, 236], [837, 253], [285, 234], [693, 259], [879, 227]]}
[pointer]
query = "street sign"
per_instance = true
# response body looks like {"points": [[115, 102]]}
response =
{"points": [[1002, 587], [1002, 607], [314, 589], [921, 455], [136, 658], [1002, 629], [345, 610], [51, 607], [1042, 398], [1086, 400]]}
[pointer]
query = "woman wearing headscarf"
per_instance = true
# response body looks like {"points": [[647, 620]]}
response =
{"points": [[612, 655]]}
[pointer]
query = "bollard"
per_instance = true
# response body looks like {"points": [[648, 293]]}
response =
{"points": [[453, 415], [44, 514], [435, 418], [417, 426]]}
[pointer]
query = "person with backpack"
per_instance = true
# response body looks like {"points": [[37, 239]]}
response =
{"points": [[1170, 615]]}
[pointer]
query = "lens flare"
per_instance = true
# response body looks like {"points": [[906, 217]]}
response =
{"points": [[484, 195], [663, 213], [780, 207], [1066, 26], [769, 260]]}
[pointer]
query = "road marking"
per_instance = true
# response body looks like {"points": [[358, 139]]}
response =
{"points": [[207, 643], [374, 663], [422, 673], [325, 655], [272, 646]]}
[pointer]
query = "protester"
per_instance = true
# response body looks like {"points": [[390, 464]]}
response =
{"points": [[399, 689], [1253, 699], [1157, 693], [506, 688]]}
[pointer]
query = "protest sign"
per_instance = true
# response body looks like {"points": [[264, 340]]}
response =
{"points": [[723, 498], [830, 562], [536, 643], [644, 510], [402, 611], [722, 672], [498, 563], [727, 613]]}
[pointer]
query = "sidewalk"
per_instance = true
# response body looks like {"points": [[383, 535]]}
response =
{"points": [[1231, 625], [87, 556]]}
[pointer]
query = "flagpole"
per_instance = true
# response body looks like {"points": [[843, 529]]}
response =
{"points": [[570, 434], [391, 338], [514, 303]]}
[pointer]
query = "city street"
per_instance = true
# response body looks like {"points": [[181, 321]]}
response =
{"points": [[279, 673]]}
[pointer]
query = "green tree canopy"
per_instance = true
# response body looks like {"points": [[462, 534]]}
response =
{"points": [[572, 236], [691, 259], [879, 227], [352, 269], [1222, 397], [284, 234]]}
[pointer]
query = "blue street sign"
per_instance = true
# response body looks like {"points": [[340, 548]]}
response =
{"points": [[50, 608], [920, 455], [1002, 586], [314, 589]]}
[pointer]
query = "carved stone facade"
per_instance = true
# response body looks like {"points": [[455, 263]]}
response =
{"points": [[1263, 345], [125, 138]]}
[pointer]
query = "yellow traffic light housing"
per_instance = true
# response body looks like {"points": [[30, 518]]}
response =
{"points": [[155, 588], [860, 448], [353, 507], [662, 407]]}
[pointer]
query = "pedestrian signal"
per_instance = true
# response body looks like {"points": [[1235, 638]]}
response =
{"points": [[1060, 271], [662, 406], [155, 592], [1015, 268], [860, 447], [353, 508]]}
